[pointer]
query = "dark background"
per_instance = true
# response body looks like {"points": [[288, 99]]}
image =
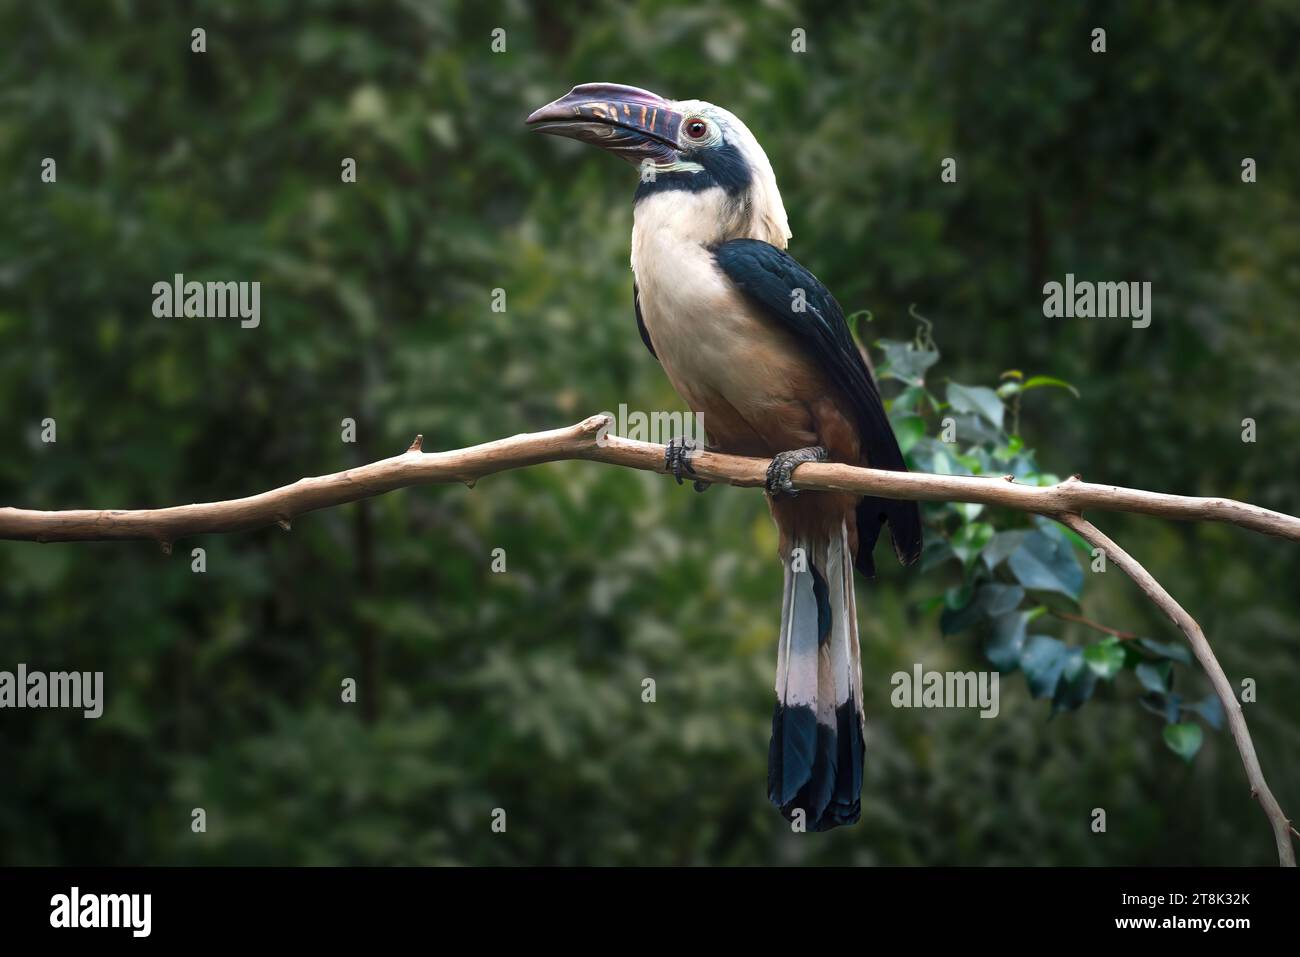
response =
{"points": [[523, 690]]}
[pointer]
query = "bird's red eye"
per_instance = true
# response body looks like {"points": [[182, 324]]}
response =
{"points": [[695, 129]]}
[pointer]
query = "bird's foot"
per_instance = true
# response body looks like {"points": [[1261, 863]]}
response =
{"points": [[784, 464], [677, 462]]}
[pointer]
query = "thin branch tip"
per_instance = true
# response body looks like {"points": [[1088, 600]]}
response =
{"points": [[593, 425], [1204, 653]]}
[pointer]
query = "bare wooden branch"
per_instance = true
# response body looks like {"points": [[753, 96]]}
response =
{"points": [[590, 439], [1205, 655]]}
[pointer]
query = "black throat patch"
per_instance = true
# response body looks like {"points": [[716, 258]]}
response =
{"points": [[723, 166]]}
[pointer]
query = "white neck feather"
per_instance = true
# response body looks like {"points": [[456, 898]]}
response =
{"points": [[711, 216]]}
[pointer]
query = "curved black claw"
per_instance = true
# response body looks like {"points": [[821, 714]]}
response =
{"points": [[778, 473], [678, 463], [676, 459]]}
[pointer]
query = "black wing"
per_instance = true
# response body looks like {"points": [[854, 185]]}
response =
{"points": [[640, 323], [775, 282]]}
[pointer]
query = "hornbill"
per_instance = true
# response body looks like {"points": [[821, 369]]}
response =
{"points": [[760, 350]]}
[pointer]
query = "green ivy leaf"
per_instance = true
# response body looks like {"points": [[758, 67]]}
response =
{"points": [[974, 430], [956, 619], [1173, 708], [1015, 445], [978, 399], [1006, 640], [1000, 548], [931, 455], [908, 429], [1167, 649], [958, 597], [969, 540], [1043, 660], [1046, 563], [905, 362], [1041, 381], [1210, 709], [1105, 658], [1078, 680], [907, 401], [1050, 527], [1184, 739], [998, 599], [1021, 466], [1154, 675], [992, 600]]}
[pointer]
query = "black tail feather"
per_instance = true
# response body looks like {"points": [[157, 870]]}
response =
{"points": [[904, 520], [816, 756]]}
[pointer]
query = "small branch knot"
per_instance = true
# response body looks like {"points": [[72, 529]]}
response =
{"points": [[592, 424], [417, 444]]}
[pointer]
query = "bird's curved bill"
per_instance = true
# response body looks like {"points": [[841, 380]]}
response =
{"points": [[628, 122]]}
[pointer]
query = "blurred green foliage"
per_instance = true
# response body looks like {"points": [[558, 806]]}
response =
{"points": [[1011, 577], [522, 690]]}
